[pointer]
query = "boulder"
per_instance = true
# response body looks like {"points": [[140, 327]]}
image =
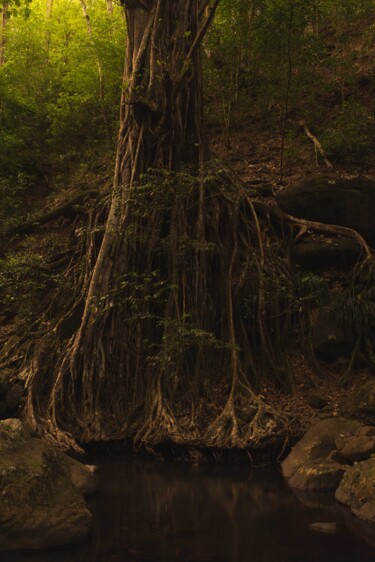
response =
{"points": [[40, 506], [317, 444], [357, 490], [358, 448], [317, 475], [360, 403], [82, 475], [366, 431], [316, 401], [316, 252], [333, 200]]}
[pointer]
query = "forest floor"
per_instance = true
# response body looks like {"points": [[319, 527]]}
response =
{"points": [[254, 156]]}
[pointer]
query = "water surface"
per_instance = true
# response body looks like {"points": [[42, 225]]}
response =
{"points": [[167, 512]]}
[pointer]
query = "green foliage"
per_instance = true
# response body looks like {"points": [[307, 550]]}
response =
{"points": [[23, 281], [12, 190], [252, 45], [326, 45], [311, 290], [351, 135], [49, 86]]}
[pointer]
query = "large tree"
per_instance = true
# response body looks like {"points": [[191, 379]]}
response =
{"points": [[157, 327]]}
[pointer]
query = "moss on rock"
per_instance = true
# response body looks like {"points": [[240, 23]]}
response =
{"points": [[40, 506], [357, 490]]}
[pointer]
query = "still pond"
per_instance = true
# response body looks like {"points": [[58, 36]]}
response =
{"points": [[169, 512]]}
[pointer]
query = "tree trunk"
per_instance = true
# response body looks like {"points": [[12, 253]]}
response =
{"points": [[98, 65], [49, 10], [109, 4], [3, 24], [160, 129]]}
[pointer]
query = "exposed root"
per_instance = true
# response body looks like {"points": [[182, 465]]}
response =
{"points": [[196, 285], [247, 427], [306, 225], [160, 424], [68, 210]]}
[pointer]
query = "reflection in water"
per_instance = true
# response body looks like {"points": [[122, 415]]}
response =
{"points": [[172, 513]]}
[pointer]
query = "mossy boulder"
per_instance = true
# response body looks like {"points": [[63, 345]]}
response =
{"points": [[40, 505], [333, 200], [360, 403], [357, 490]]}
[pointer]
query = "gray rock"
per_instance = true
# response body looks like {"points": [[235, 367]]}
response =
{"points": [[358, 448], [366, 430], [316, 401], [342, 440], [317, 475], [317, 443], [40, 506], [316, 252], [357, 490], [82, 476], [360, 403], [337, 457], [333, 200]]}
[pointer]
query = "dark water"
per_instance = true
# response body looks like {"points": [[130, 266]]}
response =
{"points": [[170, 513]]}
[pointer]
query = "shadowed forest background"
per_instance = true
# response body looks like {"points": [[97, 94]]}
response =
{"points": [[217, 335]]}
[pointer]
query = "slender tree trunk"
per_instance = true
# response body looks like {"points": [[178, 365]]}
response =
{"points": [[109, 4], [49, 10], [98, 64], [3, 24]]}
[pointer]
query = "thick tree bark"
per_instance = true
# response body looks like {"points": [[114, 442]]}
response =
{"points": [[160, 128], [162, 328]]}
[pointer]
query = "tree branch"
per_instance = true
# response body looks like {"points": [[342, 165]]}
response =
{"points": [[316, 142]]}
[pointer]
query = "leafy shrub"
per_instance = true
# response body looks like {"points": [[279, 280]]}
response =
{"points": [[350, 139]]}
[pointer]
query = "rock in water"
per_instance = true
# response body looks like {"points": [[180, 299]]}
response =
{"points": [[317, 476], [357, 490], [317, 443], [40, 505]]}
